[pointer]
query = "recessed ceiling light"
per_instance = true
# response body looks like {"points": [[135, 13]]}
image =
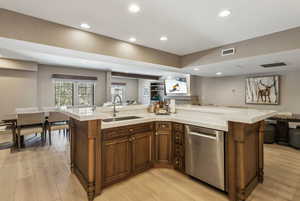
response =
{"points": [[224, 13], [219, 73], [164, 38], [85, 26], [134, 8], [196, 69], [132, 39]]}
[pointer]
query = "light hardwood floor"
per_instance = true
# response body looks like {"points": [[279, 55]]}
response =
{"points": [[42, 174]]}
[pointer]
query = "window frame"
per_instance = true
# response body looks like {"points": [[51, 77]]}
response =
{"points": [[73, 90], [123, 86], [75, 94]]}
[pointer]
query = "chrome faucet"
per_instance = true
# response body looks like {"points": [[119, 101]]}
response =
{"points": [[114, 103]]}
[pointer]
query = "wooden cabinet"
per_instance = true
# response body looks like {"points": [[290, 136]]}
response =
{"points": [[163, 142], [142, 148], [116, 157], [125, 151], [179, 147]]}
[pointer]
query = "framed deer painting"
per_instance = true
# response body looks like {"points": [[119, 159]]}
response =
{"points": [[263, 90]]}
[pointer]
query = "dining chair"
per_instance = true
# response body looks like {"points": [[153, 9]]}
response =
{"points": [[30, 123], [57, 121], [6, 135]]}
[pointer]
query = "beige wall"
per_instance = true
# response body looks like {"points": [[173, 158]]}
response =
{"points": [[17, 65], [45, 83], [23, 27], [132, 87], [230, 91], [269, 44], [17, 89]]}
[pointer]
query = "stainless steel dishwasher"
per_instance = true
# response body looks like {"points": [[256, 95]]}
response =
{"points": [[204, 155]]}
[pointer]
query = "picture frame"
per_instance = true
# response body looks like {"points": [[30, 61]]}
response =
{"points": [[262, 90]]}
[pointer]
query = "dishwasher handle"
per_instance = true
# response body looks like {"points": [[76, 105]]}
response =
{"points": [[203, 135]]}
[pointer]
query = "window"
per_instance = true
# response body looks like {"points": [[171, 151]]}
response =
{"points": [[70, 93], [118, 90], [86, 93], [64, 93]]}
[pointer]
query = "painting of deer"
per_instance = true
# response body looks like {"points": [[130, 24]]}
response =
{"points": [[262, 90]]}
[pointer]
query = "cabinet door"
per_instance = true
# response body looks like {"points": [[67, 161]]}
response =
{"points": [[163, 146], [116, 157], [142, 151]]}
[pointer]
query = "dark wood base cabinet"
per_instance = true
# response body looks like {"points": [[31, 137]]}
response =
{"points": [[163, 143], [86, 154], [126, 152], [100, 158], [179, 147], [244, 159]]}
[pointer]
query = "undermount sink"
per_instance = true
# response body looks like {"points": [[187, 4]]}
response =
{"points": [[121, 118]]}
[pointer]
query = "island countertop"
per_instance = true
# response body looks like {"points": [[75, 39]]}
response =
{"points": [[204, 116]]}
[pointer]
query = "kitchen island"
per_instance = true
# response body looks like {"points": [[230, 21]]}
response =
{"points": [[103, 153]]}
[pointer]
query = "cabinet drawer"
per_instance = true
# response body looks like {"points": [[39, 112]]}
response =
{"points": [[178, 138], [117, 132], [178, 127], [179, 151], [163, 126], [140, 128], [108, 134]]}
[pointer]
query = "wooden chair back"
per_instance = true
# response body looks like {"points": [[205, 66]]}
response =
{"points": [[30, 118], [26, 110], [57, 117]]}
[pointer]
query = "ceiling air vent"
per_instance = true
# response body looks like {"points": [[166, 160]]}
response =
{"points": [[272, 65], [227, 52]]}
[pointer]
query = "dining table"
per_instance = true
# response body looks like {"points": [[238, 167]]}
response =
{"points": [[11, 118]]}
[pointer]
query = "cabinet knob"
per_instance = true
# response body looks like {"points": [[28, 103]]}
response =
{"points": [[130, 129], [177, 162]]}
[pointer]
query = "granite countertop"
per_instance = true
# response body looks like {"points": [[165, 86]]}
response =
{"points": [[208, 122], [204, 116]]}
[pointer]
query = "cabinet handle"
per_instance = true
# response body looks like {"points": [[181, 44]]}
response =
{"points": [[131, 130], [133, 138], [156, 133]]}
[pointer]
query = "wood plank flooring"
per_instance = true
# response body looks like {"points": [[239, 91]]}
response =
{"points": [[42, 174]]}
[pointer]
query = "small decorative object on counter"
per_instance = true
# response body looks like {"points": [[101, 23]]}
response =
{"points": [[172, 106], [151, 108], [162, 108]]}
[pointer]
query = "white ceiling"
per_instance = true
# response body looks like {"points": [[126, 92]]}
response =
{"points": [[249, 65], [43, 54], [191, 25]]}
